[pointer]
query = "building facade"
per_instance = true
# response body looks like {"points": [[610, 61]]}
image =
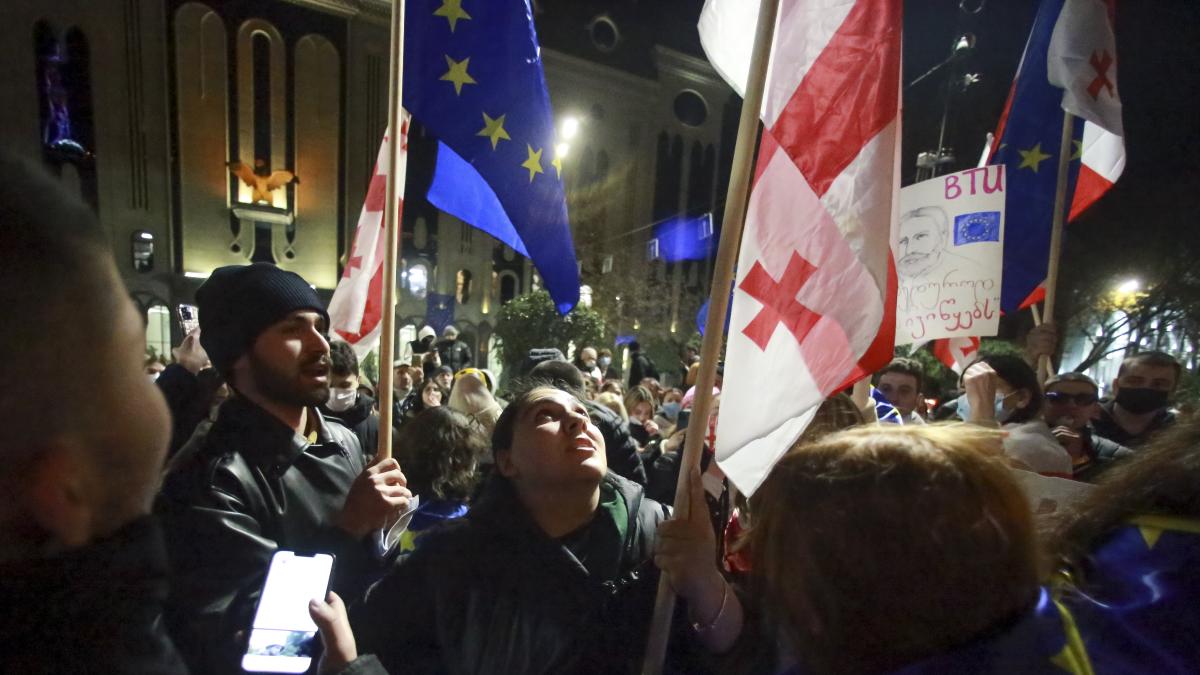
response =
{"points": [[140, 106]]}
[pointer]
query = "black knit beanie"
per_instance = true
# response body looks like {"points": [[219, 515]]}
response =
{"points": [[237, 303]]}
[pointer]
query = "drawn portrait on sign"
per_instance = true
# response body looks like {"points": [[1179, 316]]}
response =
{"points": [[924, 246]]}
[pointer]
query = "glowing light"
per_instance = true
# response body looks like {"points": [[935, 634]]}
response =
{"points": [[560, 150], [570, 127], [1131, 286]]}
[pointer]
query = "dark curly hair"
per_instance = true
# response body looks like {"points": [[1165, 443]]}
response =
{"points": [[440, 450]]}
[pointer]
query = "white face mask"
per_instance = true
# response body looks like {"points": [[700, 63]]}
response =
{"points": [[341, 400], [604, 361]]}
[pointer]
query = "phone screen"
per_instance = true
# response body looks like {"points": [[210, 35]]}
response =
{"points": [[283, 638], [189, 318], [683, 419]]}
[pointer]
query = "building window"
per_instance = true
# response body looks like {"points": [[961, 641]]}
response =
{"points": [[585, 296], [462, 287], [509, 287], [158, 331], [417, 279], [466, 239]]}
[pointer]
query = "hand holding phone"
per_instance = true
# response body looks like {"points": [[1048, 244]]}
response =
{"points": [[283, 637]]}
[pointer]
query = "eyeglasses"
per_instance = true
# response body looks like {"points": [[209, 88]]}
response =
{"points": [[1077, 399]]}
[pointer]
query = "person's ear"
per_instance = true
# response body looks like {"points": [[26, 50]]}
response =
{"points": [[1023, 398], [57, 497], [505, 465]]}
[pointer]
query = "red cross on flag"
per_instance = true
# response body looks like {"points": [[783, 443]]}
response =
{"points": [[815, 300], [1082, 59], [356, 310]]}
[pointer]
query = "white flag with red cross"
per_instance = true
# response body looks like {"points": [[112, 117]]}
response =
{"points": [[356, 310], [815, 299]]}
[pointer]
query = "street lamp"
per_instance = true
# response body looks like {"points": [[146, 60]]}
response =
{"points": [[570, 127], [1130, 286]]}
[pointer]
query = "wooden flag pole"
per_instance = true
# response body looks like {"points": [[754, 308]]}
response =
{"points": [[1045, 367], [718, 307], [391, 228]]}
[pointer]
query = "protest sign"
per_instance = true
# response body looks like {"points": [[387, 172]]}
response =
{"points": [[949, 256]]}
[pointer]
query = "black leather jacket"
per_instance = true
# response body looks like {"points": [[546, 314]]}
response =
{"points": [[620, 448], [491, 593], [234, 494]]}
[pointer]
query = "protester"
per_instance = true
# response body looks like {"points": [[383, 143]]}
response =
{"points": [[654, 387], [1141, 399], [898, 549], [613, 387], [668, 412], [587, 362], [453, 354], [641, 366], [472, 397], [1128, 556], [621, 450], [346, 405], [430, 394], [153, 368], [640, 404], [1071, 404], [1003, 391], [440, 452], [444, 376], [83, 571], [902, 383], [402, 381], [553, 570], [609, 371], [614, 403], [271, 473]]}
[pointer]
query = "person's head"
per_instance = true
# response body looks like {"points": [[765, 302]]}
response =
{"points": [[450, 333], [343, 376], [1145, 382], [265, 330], [545, 442], [883, 545], [689, 353], [902, 382], [588, 357], [83, 431], [604, 358], [1018, 392], [1160, 480], [432, 394], [402, 379], [1072, 400], [923, 233], [634, 346], [639, 402], [836, 413], [444, 375], [559, 373], [440, 450], [613, 387], [614, 403], [153, 368], [672, 403], [653, 386]]}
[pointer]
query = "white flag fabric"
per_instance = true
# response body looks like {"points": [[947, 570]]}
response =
{"points": [[815, 291], [356, 310]]}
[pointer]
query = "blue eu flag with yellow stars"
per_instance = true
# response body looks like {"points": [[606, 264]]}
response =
{"points": [[1028, 144], [473, 78]]}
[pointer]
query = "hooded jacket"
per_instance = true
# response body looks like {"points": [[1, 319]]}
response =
{"points": [[492, 593]]}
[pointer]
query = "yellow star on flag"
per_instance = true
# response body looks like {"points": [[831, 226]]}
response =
{"points": [[458, 74], [493, 129], [1078, 150], [1031, 158], [453, 11], [533, 163], [557, 164]]}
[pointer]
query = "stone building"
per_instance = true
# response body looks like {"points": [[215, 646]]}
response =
{"points": [[139, 105]]}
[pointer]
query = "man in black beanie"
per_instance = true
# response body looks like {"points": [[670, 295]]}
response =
{"points": [[271, 473]]}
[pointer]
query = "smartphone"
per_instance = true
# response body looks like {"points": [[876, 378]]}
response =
{"points": [[683, 419], [189, 318], [284, 638]]}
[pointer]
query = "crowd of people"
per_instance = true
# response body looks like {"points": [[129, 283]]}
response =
{"points": [[138, 515]]}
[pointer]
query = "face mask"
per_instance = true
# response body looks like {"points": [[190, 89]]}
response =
{"points": [[153, 376], [964, 408], [604, 361], [341, 400], [671, 409], [636, 419], [589, 364], [1141, 400]]}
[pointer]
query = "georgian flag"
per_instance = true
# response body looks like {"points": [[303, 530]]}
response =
{"points": [[815, 292], [356, 310]]}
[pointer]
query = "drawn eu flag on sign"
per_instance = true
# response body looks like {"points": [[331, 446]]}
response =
{"points": [[473, 78], [970, 228]]}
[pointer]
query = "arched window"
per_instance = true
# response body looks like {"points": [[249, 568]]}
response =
{"points": [[158, 331], [462, 287], [509, 287]]}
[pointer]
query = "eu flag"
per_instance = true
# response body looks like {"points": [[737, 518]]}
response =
{"points": [[1029, 139], [685, 238], [473, 78]]}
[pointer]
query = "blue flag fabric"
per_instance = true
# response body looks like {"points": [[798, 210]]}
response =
{"points": [[439, 311], [473, 78], [1028, 144], [685, 238], [884, 410]]}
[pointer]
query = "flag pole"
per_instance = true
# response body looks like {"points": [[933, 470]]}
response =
{"points": [[718, 307], [391, 228], [1045, 367]]}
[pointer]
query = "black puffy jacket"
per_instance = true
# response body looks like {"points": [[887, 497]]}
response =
{"points": [[233, 495], [362, 420], [492, 593], [620, 449]]}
